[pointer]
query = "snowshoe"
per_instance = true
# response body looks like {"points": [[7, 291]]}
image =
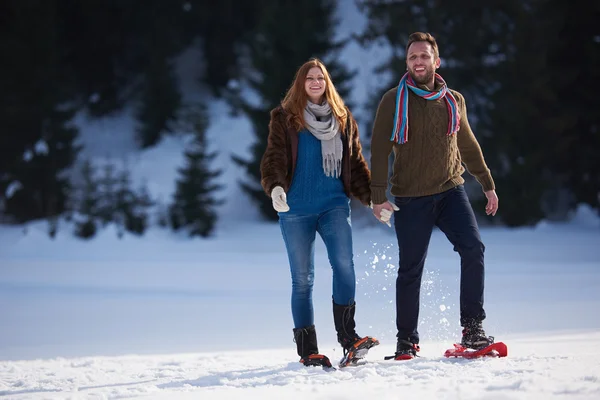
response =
{"points": [[316, 360], [497, 349], [356, 351]]}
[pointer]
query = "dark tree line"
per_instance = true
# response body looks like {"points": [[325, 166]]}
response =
{"points": [[526, 68], [61, 57]]}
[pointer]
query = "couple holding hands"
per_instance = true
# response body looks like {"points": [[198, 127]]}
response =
{"points": [[313, 164]]}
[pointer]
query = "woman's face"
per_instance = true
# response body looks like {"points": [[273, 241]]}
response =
{"points": [[315, 85]]}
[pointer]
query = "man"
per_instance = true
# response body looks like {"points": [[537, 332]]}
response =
{"points": [[426, 126]]}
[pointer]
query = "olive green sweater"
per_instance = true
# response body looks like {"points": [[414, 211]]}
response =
{"points": [[430, 161]]}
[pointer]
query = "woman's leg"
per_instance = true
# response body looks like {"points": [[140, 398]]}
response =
{"points": [[299, 232]]}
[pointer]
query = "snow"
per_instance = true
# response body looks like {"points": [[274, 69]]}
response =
{"points": [[12, 188], [164, 316], [224, 376], [41, 147]]}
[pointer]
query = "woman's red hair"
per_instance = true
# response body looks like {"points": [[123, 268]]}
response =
{"points": [[296, 97]]}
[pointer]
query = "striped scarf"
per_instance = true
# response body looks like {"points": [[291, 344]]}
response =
{"points": [[400, 133]]}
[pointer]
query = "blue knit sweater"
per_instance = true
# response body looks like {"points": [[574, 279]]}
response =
{"points": [[313, 192]]}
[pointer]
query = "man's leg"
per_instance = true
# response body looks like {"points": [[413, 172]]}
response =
{"points": [[413, 223], [457, 221]]}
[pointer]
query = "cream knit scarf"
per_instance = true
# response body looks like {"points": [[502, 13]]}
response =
{"points": [[325, 127]]}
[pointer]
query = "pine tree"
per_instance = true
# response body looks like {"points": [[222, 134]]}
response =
{"points": [[107, 189], [43, 186], [222, 26], [159, 98], [104, 76], [86, 203], [545, 123], [38, 140], [572, 118], [159, 102], [130, 207], [193, 206], [518, 146], [116, 201], [288, 34]]}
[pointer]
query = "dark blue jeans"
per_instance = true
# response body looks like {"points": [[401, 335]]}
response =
{"points": [[452, 213], [299, 233]]}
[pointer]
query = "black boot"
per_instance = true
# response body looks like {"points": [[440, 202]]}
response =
{"points": [[343, 319], [354, 346], [306, 344], [405, 350], [474, 337]]}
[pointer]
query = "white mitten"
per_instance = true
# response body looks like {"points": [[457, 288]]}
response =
{"points": [[279, 199], [385, 215]]}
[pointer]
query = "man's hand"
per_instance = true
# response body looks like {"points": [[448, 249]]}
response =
{"points": [[279, 199], [492, 202], [383, 212]]}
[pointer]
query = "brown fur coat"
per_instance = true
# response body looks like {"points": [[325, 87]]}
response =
{"points": [[279, 160]]}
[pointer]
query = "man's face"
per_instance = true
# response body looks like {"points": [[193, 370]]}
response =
{"points": [[422, 62]]}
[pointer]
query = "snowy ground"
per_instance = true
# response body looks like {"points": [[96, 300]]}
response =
{"points": [[164, 319], [536, 369]]}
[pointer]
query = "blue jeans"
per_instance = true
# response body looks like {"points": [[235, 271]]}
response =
{"points": [[299, 233], [452, 213]]}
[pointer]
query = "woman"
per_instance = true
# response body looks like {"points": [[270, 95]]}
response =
{"points": [[312, 165]]}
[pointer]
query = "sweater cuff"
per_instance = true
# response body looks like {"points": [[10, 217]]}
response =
{"points": [[486, 182], [378, 195]]}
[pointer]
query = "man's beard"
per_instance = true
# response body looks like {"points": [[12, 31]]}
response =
{"points": [[423, 79]]}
